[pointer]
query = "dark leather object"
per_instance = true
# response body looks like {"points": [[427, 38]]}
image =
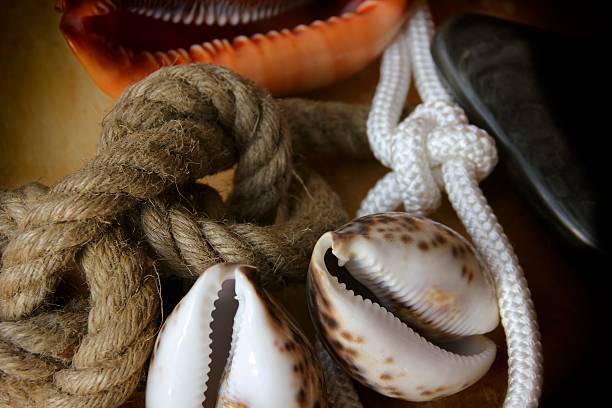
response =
{"points": [[531, 90]]}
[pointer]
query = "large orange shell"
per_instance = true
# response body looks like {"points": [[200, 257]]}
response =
{"points": [[285, 62]]}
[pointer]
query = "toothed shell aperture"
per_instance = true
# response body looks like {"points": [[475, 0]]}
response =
{"points": [[431, 279], [271, 363]]}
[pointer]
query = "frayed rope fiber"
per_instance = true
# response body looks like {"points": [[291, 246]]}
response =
{"points": [[136, 206]]}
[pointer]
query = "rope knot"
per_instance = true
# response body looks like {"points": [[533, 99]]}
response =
{"points": [[436, 132], [108, 226], [451, 137]]}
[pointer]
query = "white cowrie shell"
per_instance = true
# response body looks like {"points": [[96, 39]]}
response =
{"points": [[271, 363], [432, 279]]}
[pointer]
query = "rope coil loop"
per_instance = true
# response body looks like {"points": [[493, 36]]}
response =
{"points": [[176, 126]]}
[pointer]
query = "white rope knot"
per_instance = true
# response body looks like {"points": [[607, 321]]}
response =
{"points": [[464, 142], [436, 148], [435, 133], [451, 137]]}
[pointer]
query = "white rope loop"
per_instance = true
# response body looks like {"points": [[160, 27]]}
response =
{"points": [[436, 148]]}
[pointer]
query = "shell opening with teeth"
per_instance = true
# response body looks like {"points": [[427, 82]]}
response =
{"points": [[286, 46], [414, 332], [270, 362]]}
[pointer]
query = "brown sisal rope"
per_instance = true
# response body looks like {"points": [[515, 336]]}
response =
{"points": [[176, 126], [190, 243]]}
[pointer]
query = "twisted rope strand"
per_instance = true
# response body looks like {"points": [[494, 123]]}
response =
{"points": [[176, 126], [242, 110], [192, 243], [168, 134], [42, 355], [128, 170]]}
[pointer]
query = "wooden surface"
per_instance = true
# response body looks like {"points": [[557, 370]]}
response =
{"points": [[50, 113]]}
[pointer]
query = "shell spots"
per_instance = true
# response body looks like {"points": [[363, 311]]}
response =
{"points": [[347, 335], [305, 367], [329, 321], [386, 377], [353, 339], [401, 256], [393, 392], [406, 239], [388, 225], [438, 239], [354, 228], [440, 298], [433, 393], [301, 396], [461, 250], [427, 393], [467, 273], [409, 223], [288, 346], [322, 306], [399, 228]]}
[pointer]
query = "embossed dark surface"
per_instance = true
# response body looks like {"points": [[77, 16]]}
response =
{"points": [[515, 81]]}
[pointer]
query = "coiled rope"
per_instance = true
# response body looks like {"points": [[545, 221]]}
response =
{"points": [[87, 348]]}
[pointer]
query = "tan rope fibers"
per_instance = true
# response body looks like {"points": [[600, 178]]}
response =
{"points": [[178, 125]]}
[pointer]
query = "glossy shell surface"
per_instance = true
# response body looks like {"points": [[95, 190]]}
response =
{"points": [[425, 273], [120, 42], [271, 363], [431, 279]]}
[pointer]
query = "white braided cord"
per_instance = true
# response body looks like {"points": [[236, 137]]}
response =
{"points": [[436, 148], [421, 30], [515, 306]]}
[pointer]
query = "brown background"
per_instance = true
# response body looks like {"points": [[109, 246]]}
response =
{"points": [[50, 113]]}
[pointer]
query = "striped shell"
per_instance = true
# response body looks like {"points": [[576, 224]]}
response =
{"points": [[419, 339], [270, 363]]}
